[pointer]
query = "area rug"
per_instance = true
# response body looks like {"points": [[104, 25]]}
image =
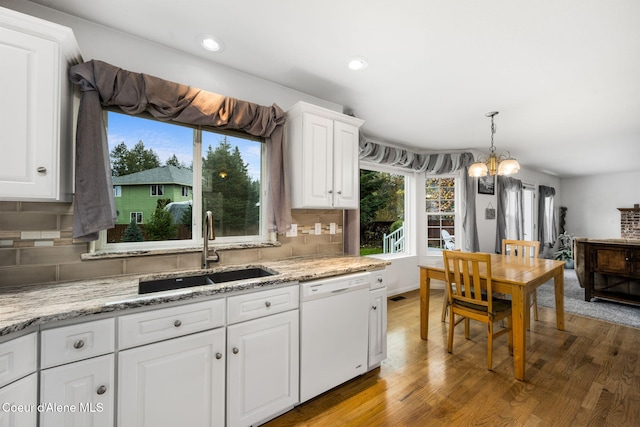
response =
{"points": [[624, 314]]}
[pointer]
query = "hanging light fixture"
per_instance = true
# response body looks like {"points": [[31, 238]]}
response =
{"points": [[494, 165]]}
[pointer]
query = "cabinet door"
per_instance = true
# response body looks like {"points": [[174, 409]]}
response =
{"points": [[18, 358], [28, 121], [263, 363], [23, 392], [377, 326], [86, 387], [36, 126], [317, 161], [610, 260], [178, 382], [346, 172]]}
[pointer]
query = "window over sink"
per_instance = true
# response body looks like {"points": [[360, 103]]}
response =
{"points": [[167, 175]]}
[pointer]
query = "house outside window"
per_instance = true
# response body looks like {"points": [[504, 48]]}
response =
{"points": [[171, 174], [117, 191], [441, 213]]}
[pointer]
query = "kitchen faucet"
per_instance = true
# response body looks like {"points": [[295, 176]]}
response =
{"points": [[208, 234]]}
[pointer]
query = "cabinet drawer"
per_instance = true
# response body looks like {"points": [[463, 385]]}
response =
{"points": [[17, 358], [261, 303], [77, 342], [378, 279], [165, 323]]}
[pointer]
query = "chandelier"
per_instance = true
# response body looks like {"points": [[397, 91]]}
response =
{"points": [[494, 165]]}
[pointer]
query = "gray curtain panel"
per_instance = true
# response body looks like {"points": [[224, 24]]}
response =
{"points": [[105, 85], [510, 193], [547, 228]]}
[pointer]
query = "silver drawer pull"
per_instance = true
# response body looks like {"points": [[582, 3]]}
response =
{"points": [[267, 303], [101, 390], [177, 323], [218, 355], [235, 350], [42, 169], [78, 344]]}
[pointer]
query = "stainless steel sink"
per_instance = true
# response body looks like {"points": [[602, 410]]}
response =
{"points": [[159, 285]]}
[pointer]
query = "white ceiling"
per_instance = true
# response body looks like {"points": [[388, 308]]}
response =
{"points": [[564, 75]]}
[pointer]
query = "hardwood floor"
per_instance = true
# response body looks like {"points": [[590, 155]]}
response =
{"points": [[587, 375]]}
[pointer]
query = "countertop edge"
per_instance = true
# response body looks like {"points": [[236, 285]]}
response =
{"points": [[86, 298]]}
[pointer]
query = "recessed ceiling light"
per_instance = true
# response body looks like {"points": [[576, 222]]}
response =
{"points": [[210, 43], [358, 63]]}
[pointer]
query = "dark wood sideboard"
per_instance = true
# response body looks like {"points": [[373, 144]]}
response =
{"points": [[611, 269]]}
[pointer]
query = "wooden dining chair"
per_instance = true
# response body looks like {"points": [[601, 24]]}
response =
{"points": [[471, 297], [445, 300], [525, 249]]}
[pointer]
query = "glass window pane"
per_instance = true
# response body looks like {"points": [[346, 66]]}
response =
{"points": [[382, 200], [231, 182], [151, 162], [441, 213], [152, 167]]}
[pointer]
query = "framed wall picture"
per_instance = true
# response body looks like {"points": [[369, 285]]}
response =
{"points": [[486, 185]]}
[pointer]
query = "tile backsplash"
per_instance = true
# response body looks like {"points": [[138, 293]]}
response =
{"points": [[36, 246]]}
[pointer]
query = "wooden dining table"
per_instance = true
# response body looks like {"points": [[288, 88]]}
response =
{"points": [[516, 276]]}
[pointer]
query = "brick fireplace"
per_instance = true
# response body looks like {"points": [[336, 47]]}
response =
{"points": [[630, 223]]}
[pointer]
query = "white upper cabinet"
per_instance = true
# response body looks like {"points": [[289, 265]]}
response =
{"points": [[323, 158], [36, 132]]}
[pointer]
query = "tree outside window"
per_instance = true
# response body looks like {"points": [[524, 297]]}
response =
{"points": [[228, 191]]}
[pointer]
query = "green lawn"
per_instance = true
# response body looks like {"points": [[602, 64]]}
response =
{"points": [[370, 251]]}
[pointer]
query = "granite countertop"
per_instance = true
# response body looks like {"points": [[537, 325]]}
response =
{"points": [[24, 306]]}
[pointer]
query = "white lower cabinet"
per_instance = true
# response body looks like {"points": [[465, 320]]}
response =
{"points": [[262, 368], [377, 326], [79, 394], [178, 382], [19, 400]]}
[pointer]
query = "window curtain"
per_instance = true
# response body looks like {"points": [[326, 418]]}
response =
{"points": [[105, 85], [547, 228], [510, 220], [432, 164]]}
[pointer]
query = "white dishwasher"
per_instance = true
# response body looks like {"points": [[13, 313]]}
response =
{"points": [[334, 328]]}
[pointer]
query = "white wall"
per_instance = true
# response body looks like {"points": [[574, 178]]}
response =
{"points": [[592, 203]]}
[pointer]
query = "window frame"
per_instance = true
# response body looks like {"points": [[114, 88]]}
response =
{"points": [[196, 241], [159, 190], [410, 223], [457, 200], [140, 214]]}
